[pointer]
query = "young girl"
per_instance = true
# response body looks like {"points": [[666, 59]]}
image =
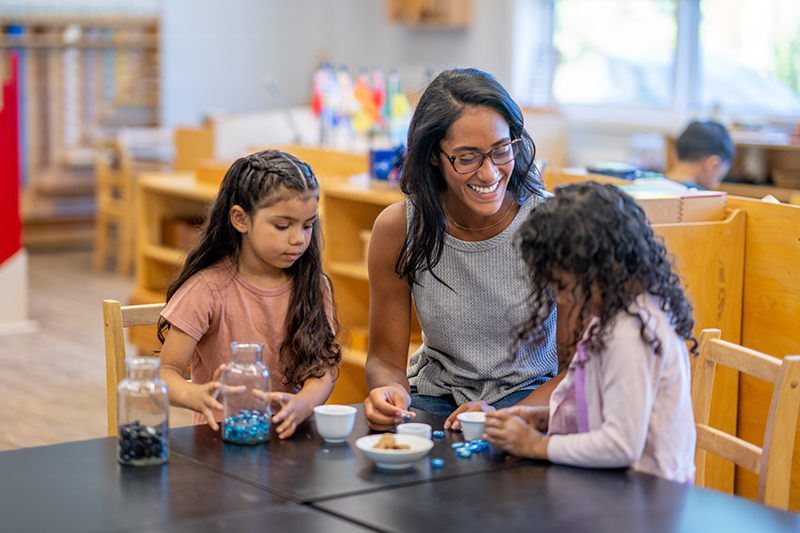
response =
{"points": [[625, 400], [255, 275]]}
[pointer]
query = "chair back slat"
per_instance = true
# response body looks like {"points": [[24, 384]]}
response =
{"points": [[744, 360], [779, 435], [733, 449], [141, 315]]}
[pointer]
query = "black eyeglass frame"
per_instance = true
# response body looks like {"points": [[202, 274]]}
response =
{"points": [[488, 154]]}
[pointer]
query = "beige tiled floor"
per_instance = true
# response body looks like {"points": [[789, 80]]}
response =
{"points": [[52, 382]]}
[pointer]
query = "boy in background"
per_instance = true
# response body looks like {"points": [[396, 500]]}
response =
{"points": [[704, 153]]}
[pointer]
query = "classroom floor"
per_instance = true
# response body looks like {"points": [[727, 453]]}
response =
{"points": [[53, 381]]}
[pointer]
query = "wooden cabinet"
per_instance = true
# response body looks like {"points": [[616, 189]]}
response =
{"points": [[162, 198], [350, 210], [437, 14]]}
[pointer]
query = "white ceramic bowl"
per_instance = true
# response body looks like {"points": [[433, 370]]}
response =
{"points": [[334, 422], [395, 459], [473, 424]]}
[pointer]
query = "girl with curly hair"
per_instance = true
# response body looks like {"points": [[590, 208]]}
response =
{"points": [[625, 401], [255, 275]]}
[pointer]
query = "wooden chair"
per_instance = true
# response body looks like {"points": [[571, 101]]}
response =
{"points": [[115, 318], [115, 188], [773, 462]]}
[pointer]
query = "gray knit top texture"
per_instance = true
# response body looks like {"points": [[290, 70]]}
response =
{"points": [[467, 332]]}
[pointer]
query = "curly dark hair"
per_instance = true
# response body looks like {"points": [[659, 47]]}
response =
{"points": [[598, 234], [254, 182], [443, 102]]}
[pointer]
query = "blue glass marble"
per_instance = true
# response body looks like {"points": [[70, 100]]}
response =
{"points": [[247, 427], [438, 434], [437, 463]]}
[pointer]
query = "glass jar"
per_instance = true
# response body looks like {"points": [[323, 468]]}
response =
{"points": [[142, 414], [245, 396]]}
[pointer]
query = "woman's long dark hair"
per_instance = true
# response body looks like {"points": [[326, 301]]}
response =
{"points": [[598, 234], [443, 102], [255, 182]]}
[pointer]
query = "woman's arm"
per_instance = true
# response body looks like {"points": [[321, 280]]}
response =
{"points": [[389, 322], [175, 355], [541, 396]]}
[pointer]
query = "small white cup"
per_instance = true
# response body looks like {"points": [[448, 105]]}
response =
{"points": [[335, 422], [472, 424], [415, 428]]}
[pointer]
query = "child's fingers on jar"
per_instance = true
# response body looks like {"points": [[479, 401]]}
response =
{"points": [[218, 372], [286, 429], [210, 418]]}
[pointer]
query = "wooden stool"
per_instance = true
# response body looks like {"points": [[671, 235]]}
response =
{"points": [[115, 206]]}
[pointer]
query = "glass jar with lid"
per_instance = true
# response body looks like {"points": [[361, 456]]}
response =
{"points": [[246, 413], [142, 414]]}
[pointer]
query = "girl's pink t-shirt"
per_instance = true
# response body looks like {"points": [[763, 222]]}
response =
{"points": [[217, 306]]}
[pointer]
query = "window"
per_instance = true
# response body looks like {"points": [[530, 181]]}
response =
{"points": [[750, 56], [737, 57], [615, 52]]}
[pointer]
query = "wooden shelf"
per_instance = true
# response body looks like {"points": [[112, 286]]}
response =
{"points": [[57, 41], [85, 78], [431, 14], [171, 256], [163, 196], [355, 357], [108, 21], [758, 191], [353, 269]]}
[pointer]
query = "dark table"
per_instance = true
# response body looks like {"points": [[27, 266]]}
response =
{"points": [[304, 484]]}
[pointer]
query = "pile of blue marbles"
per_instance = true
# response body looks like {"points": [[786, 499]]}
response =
{"points": [[141, 445], [247, 427], [466, 449]]}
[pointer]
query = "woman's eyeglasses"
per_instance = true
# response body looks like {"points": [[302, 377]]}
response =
{"points": [[472, 161]]}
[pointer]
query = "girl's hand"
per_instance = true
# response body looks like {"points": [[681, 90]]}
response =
{"points": [[203, 399], [478, 405], [386, 407], [537, 417], [515, 435], [293, 410]]}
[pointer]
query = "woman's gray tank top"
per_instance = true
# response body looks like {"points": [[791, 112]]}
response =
{"points": [[467, 332]]}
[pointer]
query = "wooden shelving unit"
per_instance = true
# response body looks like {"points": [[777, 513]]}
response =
{"points": [[349, 209], [431, 14], [163, 196], [83, 78]]}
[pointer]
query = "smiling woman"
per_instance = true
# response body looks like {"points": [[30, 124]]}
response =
{"points": [[470, 182]]}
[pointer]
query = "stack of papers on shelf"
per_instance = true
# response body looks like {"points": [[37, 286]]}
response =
{"points": [[670, 205]]}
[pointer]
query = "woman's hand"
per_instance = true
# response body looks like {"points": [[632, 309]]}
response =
{"points": [[293, 410], [478, 405], [515, 435], [537, 417], [386, 406]]}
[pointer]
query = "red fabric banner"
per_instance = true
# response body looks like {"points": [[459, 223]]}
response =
{"points": [[10, 223]]}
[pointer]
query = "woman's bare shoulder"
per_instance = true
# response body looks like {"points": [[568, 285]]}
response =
{"points": [[391, 222], [389, 233]]}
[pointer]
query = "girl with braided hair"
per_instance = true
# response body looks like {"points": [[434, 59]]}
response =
{"points": [[255, 275], [625, 401]]}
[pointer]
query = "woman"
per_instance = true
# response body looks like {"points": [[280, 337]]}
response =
{"points": [[469, 181]]}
